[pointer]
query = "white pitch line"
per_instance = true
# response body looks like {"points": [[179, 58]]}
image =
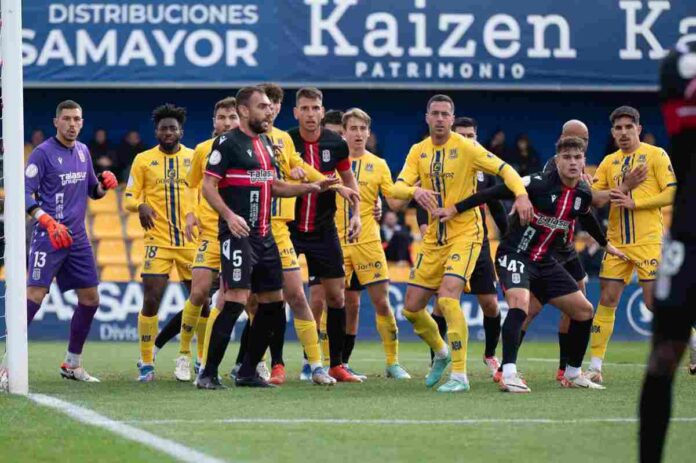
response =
{"points": [[610, 364], [84, 415], [424, 359]]}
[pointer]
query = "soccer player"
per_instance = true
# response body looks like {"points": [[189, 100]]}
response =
{"points": [[313, 230], [483, 279], [635, 224], [363, 258], [333, 120], [240, 180], [157, 190], [446, 164], [674, 291], [59, 178], [524, 263]]}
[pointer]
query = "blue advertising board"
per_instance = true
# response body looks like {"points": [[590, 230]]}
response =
{"points": [[536, 44]]}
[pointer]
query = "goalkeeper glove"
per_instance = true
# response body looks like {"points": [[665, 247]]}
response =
{"points": [[107, 180], [58, 233]]}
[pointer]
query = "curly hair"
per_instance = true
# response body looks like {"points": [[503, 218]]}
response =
{"points": [[169, 110]]}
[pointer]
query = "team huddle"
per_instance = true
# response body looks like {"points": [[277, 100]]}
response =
{"points": [[234, 214]]}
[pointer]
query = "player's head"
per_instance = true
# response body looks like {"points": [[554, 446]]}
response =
{"points": [[356, 129], [309, 109], [275, 94], [169, 125], [440, 115], [255, 110], [333, 120], [575, 128], [626, 128], [68, 120], [466, 127], [570, 157], [225, 117]]}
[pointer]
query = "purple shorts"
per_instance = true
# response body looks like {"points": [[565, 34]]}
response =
{"points": [[73, 268]]}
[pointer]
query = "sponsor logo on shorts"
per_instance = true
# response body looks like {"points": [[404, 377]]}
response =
{"points": [[36, 274], [456, 257], [237, 274], [639, 317], [516, 278], [368, 266]]}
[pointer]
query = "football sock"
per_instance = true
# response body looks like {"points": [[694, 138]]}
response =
{"points": [[441, 328], [491, 326], [73, 360], [243, 340], [189, 321], [655, 410], [259, 336], [389, 333], [336, 330], [220, 334], [79, 327], [457, 332], [523, 333], [171, 329], [578, 338], [563, 350], [214, 313], [147, 330], [32, 309], [602, 328], [324, 338], [511, 336], [426, 329], [277, 342], [348, 346], [200, 336], [309, 338]]}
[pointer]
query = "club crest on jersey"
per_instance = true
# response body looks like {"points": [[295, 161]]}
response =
{"points": [[578, 201], [453, 153], [80, 154], [369, 167], [479, 176], [326, 155], [642, 158], [187, 162]]}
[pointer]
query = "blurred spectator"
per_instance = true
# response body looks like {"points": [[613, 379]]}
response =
{"points": [[649, 138], [524, 157], [103, 157], [591, 256], [130, 146], [37, 137], [333, 120], [496, 144], [371, 144], [395, 240]]}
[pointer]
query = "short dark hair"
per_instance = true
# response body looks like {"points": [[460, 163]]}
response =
{"points": [[625, 111], [67, 104], [333, 116], [169, 110], [465, 122], [245, 93], [440, 97], [312, 93], [229, 102], [273, 92], [566, 143]]}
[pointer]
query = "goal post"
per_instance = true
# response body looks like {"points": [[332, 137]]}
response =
{"points": [[13, 166]]}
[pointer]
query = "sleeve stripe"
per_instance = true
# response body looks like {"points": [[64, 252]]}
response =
{"points": [[212, 174], [400, 180], [672, 184], [501, 166]]}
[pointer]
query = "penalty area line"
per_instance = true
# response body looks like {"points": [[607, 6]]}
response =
{"points": [[85, 415]]}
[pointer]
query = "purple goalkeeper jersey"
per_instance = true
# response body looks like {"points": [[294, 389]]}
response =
{"points": [[59, 180]]}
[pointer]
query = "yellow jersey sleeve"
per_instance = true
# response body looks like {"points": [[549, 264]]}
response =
{"points": [[207, 216], [134, 188], [492, 164], [386, 184], [664, 172], [601, 180], [403, 188]]}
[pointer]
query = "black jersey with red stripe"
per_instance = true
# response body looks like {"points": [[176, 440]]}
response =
{"points": [[317, 211], [246, 168]]}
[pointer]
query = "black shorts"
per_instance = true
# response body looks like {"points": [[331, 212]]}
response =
{"points": [[353, 285], [575, 268], [546, 280], [482, 280], [251, 263], [322, 251]]}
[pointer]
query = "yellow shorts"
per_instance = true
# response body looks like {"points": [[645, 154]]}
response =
{"points": [[281, 235], [159, 261], [434, 261], [207, 254], [367, 262], [645, 259]]}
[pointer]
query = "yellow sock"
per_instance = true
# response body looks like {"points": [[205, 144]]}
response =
{"points": [[147, 331], [426, 328], [602, 328], [189, 320], [307, 333], [386, 327], [457, 332], [324, 338], [214, 312], [200, 336]]}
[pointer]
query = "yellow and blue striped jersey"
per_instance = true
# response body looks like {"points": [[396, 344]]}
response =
{"points": [[207, 216], [158, 179]]}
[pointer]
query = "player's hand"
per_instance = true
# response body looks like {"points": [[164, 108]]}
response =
{"points": [[445, 213], [587, 178], [426, 198], [237, 225], [108, 180], [297, 173], [147, 216], [377, 209], [326, 183], [311, 188], [615, 252], [523, 207], [58, 233], [354, 228], [352, 196], [191, 223], [621, 199], [634, 178]]}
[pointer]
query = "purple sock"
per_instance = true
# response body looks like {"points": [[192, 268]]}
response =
{"points": [[32, 309], [79, 327]]}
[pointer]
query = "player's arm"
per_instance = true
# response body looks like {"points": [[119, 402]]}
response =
{"points": [[489, 194], [215, 172], [600, 184], [283, 189], [497, 210], [386, 186], [406, 188], [591, 225], [134, 201]]}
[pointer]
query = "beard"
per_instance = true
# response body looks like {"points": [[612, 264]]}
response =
{"points": [[257, 126], [168, 146]]}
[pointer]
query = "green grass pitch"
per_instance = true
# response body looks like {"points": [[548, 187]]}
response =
{"points": [[502, 426]]}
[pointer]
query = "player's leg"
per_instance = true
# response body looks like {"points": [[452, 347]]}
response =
{"points": [[44, 264], [35, 296], [334, 288], [483, 285], [317, 304], [153, 290], [441, 325], [352, 319], [387, 329]]}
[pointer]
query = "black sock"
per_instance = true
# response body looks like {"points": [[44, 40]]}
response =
{"points": [[259, 336], [523, 333], [511, 332], [243, 339], [336, 330], [655, 409], [278, 338], [577, 340], [491, 326], [562, 350], [348, 347], [442, 329], [171, 329], [220, 337]]}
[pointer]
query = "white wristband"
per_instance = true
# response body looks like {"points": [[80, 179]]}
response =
{"points": [[38, 213]]}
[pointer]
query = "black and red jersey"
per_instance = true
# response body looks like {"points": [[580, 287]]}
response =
{"points": [[246, 168], [317, 211]]}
